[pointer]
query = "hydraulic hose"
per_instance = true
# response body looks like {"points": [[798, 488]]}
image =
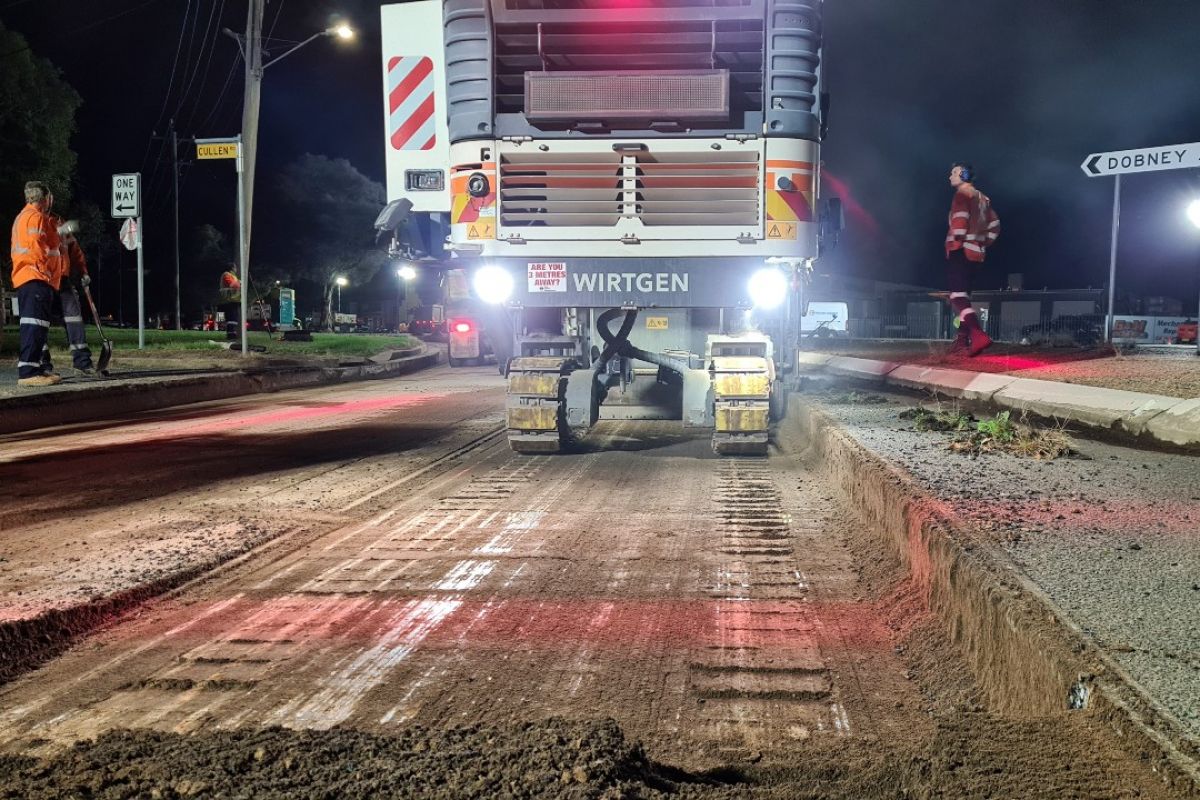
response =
{"points": [[619, 344]]}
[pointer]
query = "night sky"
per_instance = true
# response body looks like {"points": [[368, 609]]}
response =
{"points": [[1024, 89]]}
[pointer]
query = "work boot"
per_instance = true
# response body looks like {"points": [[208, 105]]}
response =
{"points": [[39, 380], [980, 341], [961, 343]]}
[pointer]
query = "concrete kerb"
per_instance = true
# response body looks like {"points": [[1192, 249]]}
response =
{"points": [[860, 369], [1090, 405], [1164, 420], [1027, 655], [107, 399], [958, 383], [1179, 424]]}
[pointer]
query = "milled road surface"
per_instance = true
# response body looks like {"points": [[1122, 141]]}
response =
{"points": [[431, 604]]}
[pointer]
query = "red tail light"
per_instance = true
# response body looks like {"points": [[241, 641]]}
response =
{"points": [[462, 327]]}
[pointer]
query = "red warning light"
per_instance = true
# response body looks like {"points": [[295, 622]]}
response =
{"points": [[462, 327]]}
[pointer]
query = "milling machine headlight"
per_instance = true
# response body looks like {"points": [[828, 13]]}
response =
{"points": [[478, 185], [493, 285], [768, 288]]}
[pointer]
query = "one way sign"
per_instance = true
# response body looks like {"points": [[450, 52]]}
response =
{"points": [[127, 195], [1151, 159]]}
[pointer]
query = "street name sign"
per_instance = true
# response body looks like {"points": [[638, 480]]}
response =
{"points": [[1150, 159], [127, 195], [216, 148]]}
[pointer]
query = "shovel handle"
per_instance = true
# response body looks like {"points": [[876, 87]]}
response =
{"points": [[95, 314]]}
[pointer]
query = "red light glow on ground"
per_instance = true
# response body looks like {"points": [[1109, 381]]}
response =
{"points": [[545, 625]]}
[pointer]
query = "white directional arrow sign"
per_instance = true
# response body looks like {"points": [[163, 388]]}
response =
{"points": [[127, 195], [1151, 159]]}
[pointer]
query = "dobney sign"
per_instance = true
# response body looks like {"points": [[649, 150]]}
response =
{"points": [[1150, 159]]}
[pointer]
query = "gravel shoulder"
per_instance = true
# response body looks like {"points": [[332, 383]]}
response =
{"points": [[1112, 537]]}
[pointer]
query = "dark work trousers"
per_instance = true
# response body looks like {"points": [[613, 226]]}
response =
{"points": [[72, 314], [959, 271], [35, 300]]}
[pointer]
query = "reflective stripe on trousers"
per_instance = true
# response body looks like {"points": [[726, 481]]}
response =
{"points": [[34, 299], [81, 356]]}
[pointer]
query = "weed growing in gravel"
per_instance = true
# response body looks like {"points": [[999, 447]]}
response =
{"points": [[925, 419], [1022, 439], [851, 398], [1000, 428], [972, 437]]}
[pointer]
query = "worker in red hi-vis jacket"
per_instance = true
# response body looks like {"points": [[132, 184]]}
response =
{"points": [[974, 227]]}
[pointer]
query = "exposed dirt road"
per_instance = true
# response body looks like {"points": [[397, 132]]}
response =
{"points": [[423, 642]]}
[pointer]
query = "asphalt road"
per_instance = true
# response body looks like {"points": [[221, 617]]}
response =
{"points": [[408, 571]]}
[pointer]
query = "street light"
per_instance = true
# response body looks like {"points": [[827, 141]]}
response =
{"points": [[341, 281], [343, 31], [406, 274], [1193, 212]]}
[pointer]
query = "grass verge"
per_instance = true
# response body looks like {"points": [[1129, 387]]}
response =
{"points": [[323, 344]]}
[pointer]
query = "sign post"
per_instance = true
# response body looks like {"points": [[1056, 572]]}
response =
{"points": [[207, 149], [126, 203], [1124, 162]]}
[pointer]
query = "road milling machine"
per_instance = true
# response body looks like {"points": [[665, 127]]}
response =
{"points": [[631, 188]]}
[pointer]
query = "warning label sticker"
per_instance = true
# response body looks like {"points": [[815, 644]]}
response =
{"points": [[481, 230], [656, 323], [547, 276], [781, 230]]}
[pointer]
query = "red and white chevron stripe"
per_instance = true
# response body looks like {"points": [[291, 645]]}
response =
{"points": [[410, 103]]}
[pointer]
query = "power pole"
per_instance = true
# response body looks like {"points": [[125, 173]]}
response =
{"points": [[175, 173], [250, 107], [251, 46]]}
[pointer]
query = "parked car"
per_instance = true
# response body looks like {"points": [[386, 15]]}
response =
{"points": [[427, 328], [1071, 330], [428, 322]]}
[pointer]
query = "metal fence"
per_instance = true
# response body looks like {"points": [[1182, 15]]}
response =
{"points": [[1065, 331]]}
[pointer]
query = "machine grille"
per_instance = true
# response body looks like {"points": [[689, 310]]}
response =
{"points": [[575, 5], [734, 46], [676, 95], [659, 188]]}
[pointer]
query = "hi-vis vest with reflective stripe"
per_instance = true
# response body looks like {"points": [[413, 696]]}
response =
{"points": [[974, 226], [36, 249]]}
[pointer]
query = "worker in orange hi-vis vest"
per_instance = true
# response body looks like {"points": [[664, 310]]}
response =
{"points": [[75, 275], [974, 227], [37, 272], [231, 295]]}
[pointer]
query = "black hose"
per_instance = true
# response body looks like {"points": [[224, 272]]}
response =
{"points": [[619, 344], [613, 344]]}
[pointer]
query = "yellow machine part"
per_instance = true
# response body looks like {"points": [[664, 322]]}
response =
{"points": [[533, 410], [742, 419], [533, 418], [742, 404]]}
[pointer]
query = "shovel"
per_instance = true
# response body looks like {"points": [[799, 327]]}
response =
{"points": [[106, 349]]}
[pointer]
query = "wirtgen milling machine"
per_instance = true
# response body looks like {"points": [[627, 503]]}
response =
{"points": [[631, 184]]}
